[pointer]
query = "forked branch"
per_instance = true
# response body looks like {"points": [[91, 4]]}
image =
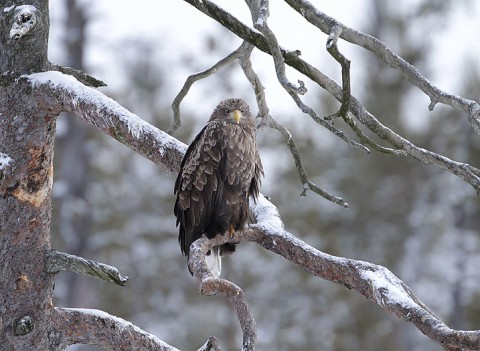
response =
{"points": [[400, 144], [212, 286], [374, 282]]}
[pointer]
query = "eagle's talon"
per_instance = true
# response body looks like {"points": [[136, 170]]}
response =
{"points": [[231, 231]]}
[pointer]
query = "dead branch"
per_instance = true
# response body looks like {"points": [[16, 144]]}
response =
{"points": [[325, 23], [210, 286], [465, 171], [56, 261], [268, 120], [195, 77], [93, 327]]}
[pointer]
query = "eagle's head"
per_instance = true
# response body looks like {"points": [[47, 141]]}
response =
{"points": [[233, 111]]}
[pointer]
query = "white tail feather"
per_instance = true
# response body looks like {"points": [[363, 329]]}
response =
{"points": [[214, 261]]}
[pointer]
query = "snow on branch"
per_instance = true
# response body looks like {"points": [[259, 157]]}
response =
{"points": [[374, 282], [69, 326], [64, 93]]}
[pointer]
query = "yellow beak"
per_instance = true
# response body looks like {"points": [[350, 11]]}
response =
{"points": [[236, 116]]}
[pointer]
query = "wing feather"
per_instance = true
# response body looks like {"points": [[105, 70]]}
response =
{"points": [[197, 185]]}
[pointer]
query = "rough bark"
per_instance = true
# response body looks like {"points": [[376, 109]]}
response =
{"points": [[26, 141]]}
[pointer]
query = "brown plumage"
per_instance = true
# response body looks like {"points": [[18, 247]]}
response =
{"points": [[219, 172]]}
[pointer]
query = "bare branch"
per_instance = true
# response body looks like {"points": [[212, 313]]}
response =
{"points": [[464, 171], [411, 73], [260, 13], [93, 327], [332, 48], [211, 286], [195, 77], [345, 64], [267, 119], [56, 261], [79, 75]]}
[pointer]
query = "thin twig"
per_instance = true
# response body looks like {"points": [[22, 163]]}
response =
{"points": [[464, 171], [192, 79], [332, 48], [345, 64], [267, 119]]}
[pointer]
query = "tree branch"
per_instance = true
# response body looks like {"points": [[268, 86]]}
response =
{"points": [[55, 90], [56, 261], [79, 75], [465, 171], [332, 48], [411, 73], [374, 282], [212, 286], [93, 327], [268, 120], [195, 77]]}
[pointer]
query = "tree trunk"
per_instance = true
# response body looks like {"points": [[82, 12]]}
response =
{"points": [[26, 177]]}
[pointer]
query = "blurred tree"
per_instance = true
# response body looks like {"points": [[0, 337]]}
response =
{"points": [[72, 212]]}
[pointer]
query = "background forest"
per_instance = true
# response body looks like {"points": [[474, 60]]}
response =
{"points": [[421, 222]]}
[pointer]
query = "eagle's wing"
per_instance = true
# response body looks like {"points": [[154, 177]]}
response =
{"points": [[257, 177], [199, 184]]}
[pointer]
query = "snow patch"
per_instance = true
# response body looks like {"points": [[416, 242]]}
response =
{"points": [[387, 287], [8, 9], [5, 160], [25, 21], [267, 215]]}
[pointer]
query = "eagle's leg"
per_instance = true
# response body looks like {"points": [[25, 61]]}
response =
{"points": [[231, 231]]}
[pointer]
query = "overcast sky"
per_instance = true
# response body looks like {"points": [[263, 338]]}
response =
{"points": [[180, 29]]}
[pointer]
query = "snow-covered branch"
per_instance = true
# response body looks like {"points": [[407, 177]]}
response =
{"points": [[64, 93], [69, 326], [374, 282]]}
